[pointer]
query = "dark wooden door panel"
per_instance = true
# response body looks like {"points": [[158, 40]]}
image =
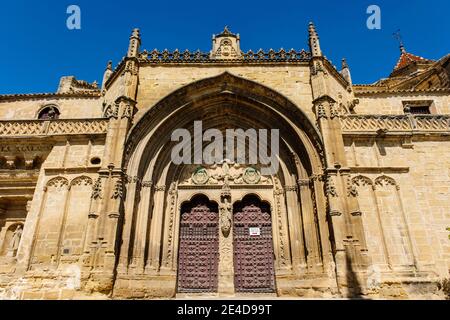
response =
{"points": [[253, 250], [199, 250]]}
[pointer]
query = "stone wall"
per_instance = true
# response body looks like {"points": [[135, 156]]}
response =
{"points": [[403, 192], [391, 104], [157, 82], [70, 108]]}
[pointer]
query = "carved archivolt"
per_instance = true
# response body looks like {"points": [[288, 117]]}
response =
{"points": [[172, 212]]}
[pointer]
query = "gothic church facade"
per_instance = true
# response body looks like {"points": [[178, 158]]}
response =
{"points": [[91, 204]]}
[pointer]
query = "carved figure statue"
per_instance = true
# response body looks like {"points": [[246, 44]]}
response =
{"points": [[15, 240], [225, 217]]}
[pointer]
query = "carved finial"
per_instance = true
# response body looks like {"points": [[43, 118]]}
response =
{"points": [[314, 43], [107, 74], [345, 72], [135, 42], [344, 64], [136, 33], [397, 35]]}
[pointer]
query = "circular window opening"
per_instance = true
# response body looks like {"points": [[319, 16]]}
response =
{"points": [[95, 160]]}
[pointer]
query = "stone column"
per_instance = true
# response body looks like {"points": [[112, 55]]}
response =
{"points": [[226, 259], [107, 200], [310, 226], [153, 262], [296, 229]]}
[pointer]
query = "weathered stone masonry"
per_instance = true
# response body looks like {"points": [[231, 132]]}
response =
{"points": [[92, 206]]}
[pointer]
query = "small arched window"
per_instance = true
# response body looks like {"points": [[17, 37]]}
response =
{"points": [[50, 112]]}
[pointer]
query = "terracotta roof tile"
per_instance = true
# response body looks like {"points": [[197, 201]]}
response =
{"points": [[406, 58]]}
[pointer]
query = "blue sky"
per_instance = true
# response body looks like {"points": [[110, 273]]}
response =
{"points": [[37, 47]]}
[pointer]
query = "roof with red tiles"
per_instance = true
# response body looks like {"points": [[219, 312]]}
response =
{"points": [[406, 58]]}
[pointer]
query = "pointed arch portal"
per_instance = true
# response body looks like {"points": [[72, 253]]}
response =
{"points": [[216, 252]]}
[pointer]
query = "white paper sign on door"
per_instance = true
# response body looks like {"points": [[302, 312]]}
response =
{"points": [[255, 231]]}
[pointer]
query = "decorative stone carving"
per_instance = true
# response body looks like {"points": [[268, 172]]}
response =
{"points": [[225, 173], [172, 212], [160, 188], [147, 184], [334, 112], [278, 196], [362, 181], [383, 181], [303, 182], [321, 112], [58, 183], [251, 176], [272, 56], [200, 176], [97, 189], [15, 241], [352, 191], [81, 181], [330, 188], [118, 190], [225, 216], [84, 126], [227, 49], [437, 123], [108, 112], [290, 188]]}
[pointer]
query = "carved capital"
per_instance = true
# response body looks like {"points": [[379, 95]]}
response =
{"points": [[290, 188], [303, 182], [335, 213], [160, 188], [114, 215], [147, 184]]}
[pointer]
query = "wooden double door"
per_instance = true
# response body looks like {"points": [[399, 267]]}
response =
{"points": [[252, 244]]}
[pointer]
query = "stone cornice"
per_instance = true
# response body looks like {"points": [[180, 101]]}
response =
{"points": [[369, 90], [34, 96]]}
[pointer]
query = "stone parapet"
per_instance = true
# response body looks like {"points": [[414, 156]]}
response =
{"points": [[24, 128]]}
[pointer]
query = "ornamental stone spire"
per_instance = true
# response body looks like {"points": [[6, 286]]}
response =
{"points": [[107, 74], [135, 42], [314, 43], [345, 72]]}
